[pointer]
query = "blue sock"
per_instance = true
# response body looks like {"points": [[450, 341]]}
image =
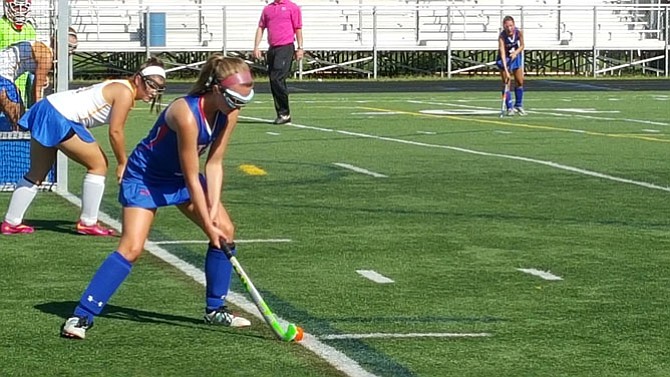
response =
{"points": [[111, 273], [518, 95], [508, 100], [218, 272]]}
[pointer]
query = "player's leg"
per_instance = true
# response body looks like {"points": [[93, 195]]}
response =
{"points": [[518, 90], [218, 271], [41, 160], [112, 272], [506, 95], [89, 155]]}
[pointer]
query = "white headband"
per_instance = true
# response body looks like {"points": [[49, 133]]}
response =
{"points": [[153, 70]]}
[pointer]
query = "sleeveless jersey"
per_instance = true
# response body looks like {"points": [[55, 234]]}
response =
{"points": [[155, 160], [17, 59], [512, 42], [86, 106]]}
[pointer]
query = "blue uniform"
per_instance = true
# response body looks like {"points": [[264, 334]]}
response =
{"points": [[512, 43], [153, 177]]}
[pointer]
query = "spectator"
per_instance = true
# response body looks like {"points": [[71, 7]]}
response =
{"points": [[283, 20]]}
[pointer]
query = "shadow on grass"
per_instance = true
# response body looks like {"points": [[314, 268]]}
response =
{"points": [[63, 309], [58, 226]]}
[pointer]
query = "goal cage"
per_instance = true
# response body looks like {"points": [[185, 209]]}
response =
{"points": [[50, 20]]}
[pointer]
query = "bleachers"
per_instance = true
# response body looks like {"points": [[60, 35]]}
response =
{"points": [[197, 25]]}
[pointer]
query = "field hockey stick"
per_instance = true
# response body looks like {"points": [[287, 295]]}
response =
{"points": [[503, 103], [292, 332]]}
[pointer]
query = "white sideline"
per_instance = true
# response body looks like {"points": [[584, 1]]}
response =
{"points": [[476, 152], [333, 356], [409, 335]]}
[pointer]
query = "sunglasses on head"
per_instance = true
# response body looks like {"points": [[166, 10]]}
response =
{"points": [[235, 100], [152, 84]]}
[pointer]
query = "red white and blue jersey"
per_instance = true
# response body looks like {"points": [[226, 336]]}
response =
{"points": [[155, 160], [512, 43]]}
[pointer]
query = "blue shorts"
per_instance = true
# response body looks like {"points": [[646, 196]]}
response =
{"points": [[49, 128], [511, 65], [135, 193], [10, 88]]}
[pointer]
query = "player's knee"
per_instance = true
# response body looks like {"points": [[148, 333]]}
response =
{"points": [[131, 252]]}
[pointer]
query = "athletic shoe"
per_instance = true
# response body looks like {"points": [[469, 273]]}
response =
{"points": [[75, 327], [93, 230], [8, 228], [510, 112], [222, 316], [282, 119], [520, 111]]}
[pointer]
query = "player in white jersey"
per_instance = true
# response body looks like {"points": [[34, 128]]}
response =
{"points": [[61, 122]]}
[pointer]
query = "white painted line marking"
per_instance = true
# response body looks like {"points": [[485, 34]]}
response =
{"points": [[359, 170], [374, 276], [330, 354], [377, 113], [651, 131], [555, 165], [546, 275], [502, 132], [426, 132], [410, 335], [273, 133], [178, 242]]}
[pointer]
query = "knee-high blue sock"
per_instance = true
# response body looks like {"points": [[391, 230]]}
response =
{"points": [[111, 273], [518, 95], [508, 100], [218, 272]]}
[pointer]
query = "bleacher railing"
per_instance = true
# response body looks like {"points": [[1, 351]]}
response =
{"points": [[194, 27]]}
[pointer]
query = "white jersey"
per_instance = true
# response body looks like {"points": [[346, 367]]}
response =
{"points": [[16, 59], [86, 106]]}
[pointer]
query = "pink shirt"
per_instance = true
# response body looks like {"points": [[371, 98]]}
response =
{"points": [[281, 19]]}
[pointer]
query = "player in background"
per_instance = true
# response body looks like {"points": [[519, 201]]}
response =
{"points": [[61, 122], [164, 170], [33, 57], [510, 61]]}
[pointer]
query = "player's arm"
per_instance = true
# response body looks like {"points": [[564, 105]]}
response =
{"points": [[122, 100], [181, 120], [522, 45], [44, 62], [214, 163], [502, 50]]}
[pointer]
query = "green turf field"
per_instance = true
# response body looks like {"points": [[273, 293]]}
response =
{"points": [[449, 207]]}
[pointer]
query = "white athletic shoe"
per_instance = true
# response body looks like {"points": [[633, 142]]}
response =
{"points": [[75, 328], [510, 112], [520, 111], [222, 316]]}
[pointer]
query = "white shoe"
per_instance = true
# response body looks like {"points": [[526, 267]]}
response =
{"points": [[75, 327], [520, 111], [222, 316]]}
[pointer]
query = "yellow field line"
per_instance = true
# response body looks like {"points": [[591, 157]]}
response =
{"points": [[521, 125]]}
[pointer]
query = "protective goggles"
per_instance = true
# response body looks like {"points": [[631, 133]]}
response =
{"points": [[152, 84], [153, 70], [235, 100]]}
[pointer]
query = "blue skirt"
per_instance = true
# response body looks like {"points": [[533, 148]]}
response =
{"points": [[138, 194], [49, 128]]}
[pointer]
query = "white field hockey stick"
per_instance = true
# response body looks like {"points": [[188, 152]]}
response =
{"points": [[292, 332], [503, 103]]}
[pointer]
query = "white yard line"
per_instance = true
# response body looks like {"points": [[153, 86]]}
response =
{"points": [[273, 133], [374, 276], [480, 153], [409, 335], [268, 240], [546, 275], [334, 357], [359, 170]]}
